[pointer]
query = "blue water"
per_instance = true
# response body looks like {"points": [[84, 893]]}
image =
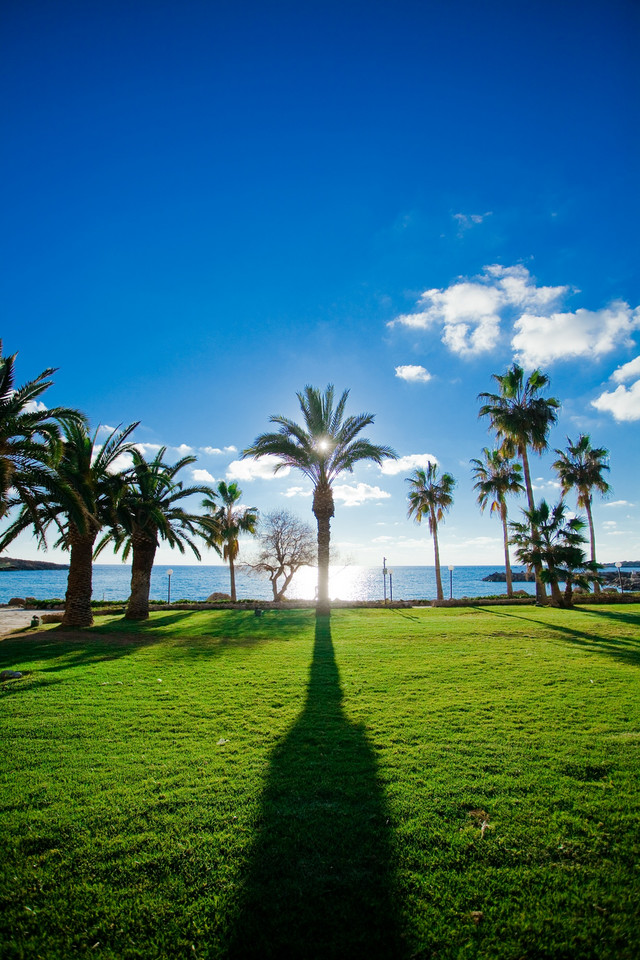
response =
{"points": [[197, 581]]}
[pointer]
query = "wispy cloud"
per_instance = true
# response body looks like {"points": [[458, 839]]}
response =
{"points": [[470, 311], [262, 469], [34, 406], [391, 468], [216, 451], [628, 371], [297, 492], [540, 339], [466, 221], [353, 495], [619, 503], [203, 476], [623, 402], [413, 373]]}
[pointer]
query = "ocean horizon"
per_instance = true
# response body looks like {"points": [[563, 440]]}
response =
{"points": [[198, 581]]}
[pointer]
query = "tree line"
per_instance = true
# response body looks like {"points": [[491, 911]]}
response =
{"points": [[61, 479]]}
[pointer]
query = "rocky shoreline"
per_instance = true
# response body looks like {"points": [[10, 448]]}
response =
{"points": [[10, 563]]}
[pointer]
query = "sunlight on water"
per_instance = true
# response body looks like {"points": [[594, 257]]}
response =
{"points": [[345, 583]]}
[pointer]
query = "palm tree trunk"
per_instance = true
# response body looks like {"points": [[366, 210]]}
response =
{"points": [[507, 562], [592, 537], [556, 595], [434, 530], [144, 551], [541, 593], [323, 509], [77, 608], [232, 578]]}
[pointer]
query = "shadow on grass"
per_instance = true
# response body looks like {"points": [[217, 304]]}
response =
{"points": [[318, 883], [625, 649]]}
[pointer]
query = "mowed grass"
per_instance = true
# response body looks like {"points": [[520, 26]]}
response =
{"points": [[450, 783]]}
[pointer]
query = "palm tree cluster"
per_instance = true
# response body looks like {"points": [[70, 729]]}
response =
{"points": [[58, 477]]}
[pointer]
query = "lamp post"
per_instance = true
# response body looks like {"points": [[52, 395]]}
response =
{"points": [[451, 569], [390, 572], [618, 565], [384, 578], [169, 572]]}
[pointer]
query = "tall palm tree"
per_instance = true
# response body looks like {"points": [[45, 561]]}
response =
{"points": [[431, 496], [548, 540], [30, 436], [497, 476], [580, 468], [521, 419], [321, 448], [230, 521], [78, 500], [148, 511]]}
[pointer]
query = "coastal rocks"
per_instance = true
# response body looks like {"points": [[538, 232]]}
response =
{"points": [[10, 675], [501, 577], [16, 602], [218, 596]]}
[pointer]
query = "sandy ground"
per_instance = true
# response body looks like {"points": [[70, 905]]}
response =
{"points": [[15, 618]]}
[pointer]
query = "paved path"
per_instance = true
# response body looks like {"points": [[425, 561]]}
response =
{"points": [[16, 618]]}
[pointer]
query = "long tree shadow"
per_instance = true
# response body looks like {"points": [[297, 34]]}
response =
{"points": [[319, 882]]}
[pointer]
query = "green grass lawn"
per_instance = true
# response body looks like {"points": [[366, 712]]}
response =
{"points": [[431, 783]]}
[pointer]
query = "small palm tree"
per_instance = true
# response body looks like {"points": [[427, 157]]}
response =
{"points": [[497, 476], [521, 419], [431, 496], [148, 511], [230, 521], [581, 468], [30, 438], [552, 542], [77, 500], [326, 444]]}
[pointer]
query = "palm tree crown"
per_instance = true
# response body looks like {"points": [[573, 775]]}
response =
{"points": [[149, 510], [326, 444], [229, 522], [431, 496], [521, 419], [30, 434], [581, 468], [496, 477]]}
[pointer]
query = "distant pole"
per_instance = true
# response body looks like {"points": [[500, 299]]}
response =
{"points": [[384, 578], [391, 586], [169, 572], [451, 569], [618, 565]]}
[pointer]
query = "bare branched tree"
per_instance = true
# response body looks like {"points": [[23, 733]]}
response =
{"points": [[286, 544]]}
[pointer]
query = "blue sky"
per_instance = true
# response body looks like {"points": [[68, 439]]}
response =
{"points": [[208, 206]]}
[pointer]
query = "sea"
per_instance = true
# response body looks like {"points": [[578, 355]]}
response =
{"points": [[198, 581]]}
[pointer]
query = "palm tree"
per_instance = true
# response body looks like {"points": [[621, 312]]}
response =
{"points": [[326, 444], [148, 511], [580, 468], [230, 521], [521, 419], [30, 436], [431, 496], [78, 499], [496, 476], [549, 541]]}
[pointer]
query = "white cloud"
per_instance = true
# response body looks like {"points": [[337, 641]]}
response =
{"points": [[184, 450], [216, 451], [34, 406], [262, 469], [355, 494], [413, 373], [470, 311], [542, 338], [623, 403], [619, 503], [121, 463], [203, 476], [147, 448], [383, 539], [391, 468], [628, 371], [467, 220], [297, 492], [609, 525]]}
